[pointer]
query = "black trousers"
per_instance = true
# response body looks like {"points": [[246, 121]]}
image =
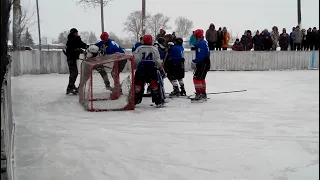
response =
{"points": [[175, 71], [202, 69], [73, 72], [212, 46]]}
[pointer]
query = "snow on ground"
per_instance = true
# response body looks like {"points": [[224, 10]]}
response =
{"points": [[269, 132]]}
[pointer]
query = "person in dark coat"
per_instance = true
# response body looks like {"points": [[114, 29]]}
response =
{"points": [[220, 39], [73, 50], [267, 43], [237, 46], [291, 40], [284, 40], [304, 45], [309, 38], [257, 41], [245, 41], [162, 33], [314, 42]]}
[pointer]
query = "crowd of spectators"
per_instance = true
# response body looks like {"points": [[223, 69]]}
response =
{"points": [[297, 40]]}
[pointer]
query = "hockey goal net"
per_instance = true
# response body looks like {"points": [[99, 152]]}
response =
{"points": [[107, 83]]}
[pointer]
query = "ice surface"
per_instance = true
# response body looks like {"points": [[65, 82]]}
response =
{"points": [[269, 132]]}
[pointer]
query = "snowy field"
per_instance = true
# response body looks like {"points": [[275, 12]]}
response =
{"points": [[270, 132]]}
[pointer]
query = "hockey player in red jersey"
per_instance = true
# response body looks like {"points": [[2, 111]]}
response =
{"points": [[148, 61], [202, 66]]}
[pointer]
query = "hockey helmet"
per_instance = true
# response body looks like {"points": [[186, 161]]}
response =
{"points": [[92, 51], [178, 41], [199, 33], [104, 36], [147, 39]]}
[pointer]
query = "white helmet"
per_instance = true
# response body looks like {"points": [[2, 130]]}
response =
{"points": [[92, 51]]}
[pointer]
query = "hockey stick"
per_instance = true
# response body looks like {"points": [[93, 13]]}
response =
{"points": [[225, 92]]}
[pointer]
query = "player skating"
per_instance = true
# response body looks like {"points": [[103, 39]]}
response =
{"points": [[175, 67], [148, 59], [202, 66]]}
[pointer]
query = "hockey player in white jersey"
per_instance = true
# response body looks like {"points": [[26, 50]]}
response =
{"points": [[148, 61]]}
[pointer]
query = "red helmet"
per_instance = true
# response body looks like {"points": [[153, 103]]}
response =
{"points": [[199, 33], [147, 39], [104, 36]]}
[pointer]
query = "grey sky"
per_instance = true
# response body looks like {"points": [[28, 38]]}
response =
{"points": [[236, 15]]}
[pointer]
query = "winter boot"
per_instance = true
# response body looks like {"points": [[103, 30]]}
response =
{"points": [[175, 91], [72, 90], [182, 91]]}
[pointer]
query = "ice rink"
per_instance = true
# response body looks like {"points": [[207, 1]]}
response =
{"points": [[270, 132]]}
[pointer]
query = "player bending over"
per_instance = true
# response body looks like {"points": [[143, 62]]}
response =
{"points": [[148, 59], [175, 67], [202, 63], [109, 47]]}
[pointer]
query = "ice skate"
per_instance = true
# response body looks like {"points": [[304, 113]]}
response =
{"points": [[182, 91], [198, 98], [175, 92], [73, 91]]}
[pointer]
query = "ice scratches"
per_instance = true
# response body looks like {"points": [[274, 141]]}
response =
{"points": [[262, 138], [168, 163]]}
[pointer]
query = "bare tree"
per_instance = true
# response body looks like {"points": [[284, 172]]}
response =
{"points": [[184, 27], [95, 3], [22, 20], [157, 22], [134, 24]]}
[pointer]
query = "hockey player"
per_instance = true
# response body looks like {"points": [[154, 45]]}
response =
{"points": [[202, 63], [175, 67], [148, 59], [73, 50], [137, 45], [161, 45], [109, 47]]}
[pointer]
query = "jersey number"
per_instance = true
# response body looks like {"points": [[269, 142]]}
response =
{"points": [[148, 57]]}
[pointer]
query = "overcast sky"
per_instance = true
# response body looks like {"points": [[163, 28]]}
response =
{"points": [[236, 15]]}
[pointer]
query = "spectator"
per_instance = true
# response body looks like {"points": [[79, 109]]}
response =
{"points": [[192, 41], [211, 37], [317, 40], [173, 35], [291, 40], [309, 38], [275, 37], [219, 41], [161, 34], [267, 43], [237, 46], [304, 44], [249, 34], [226, 39], [297, 38], [257, 41], [284, 40], [314, 43], [245, 41]]}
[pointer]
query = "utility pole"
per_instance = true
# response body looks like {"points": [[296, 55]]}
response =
{"points": [[143, 21], [102, 19], [299, 13], [39, 30]]}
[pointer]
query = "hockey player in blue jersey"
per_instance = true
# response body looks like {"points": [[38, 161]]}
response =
{"points": [[175, 67], [108, 46], [202, 66], [137, 45], [148, 62]]}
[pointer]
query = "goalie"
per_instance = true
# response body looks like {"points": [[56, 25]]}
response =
{"points": [[108, 46], [148, 59]]}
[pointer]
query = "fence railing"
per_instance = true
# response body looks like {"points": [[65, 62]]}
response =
{"points": [[7, 128], [46, 62]]}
